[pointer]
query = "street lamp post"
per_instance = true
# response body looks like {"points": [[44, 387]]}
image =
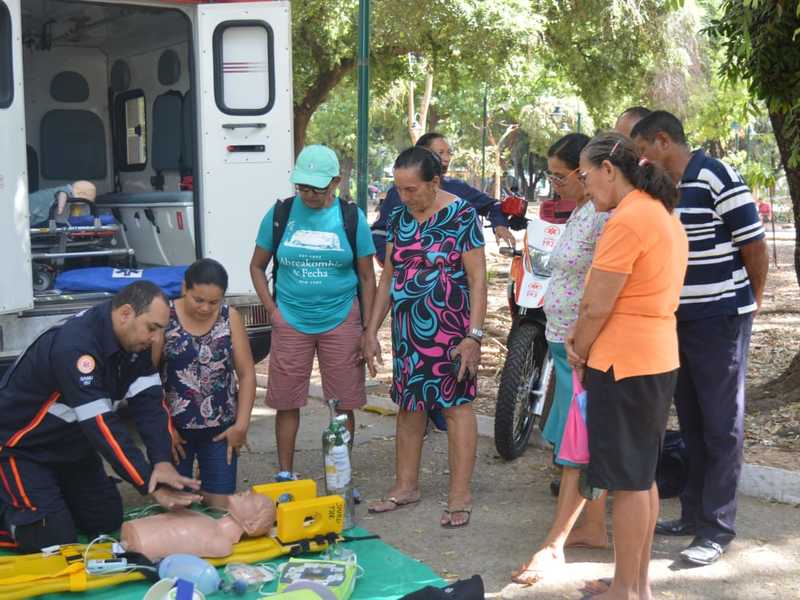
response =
{"points": [[363, 103]]}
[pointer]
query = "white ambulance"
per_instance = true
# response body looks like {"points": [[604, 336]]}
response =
{"points": [[180, 113]]}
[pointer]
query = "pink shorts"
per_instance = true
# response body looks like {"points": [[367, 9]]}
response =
{"points": [[291, 358]]}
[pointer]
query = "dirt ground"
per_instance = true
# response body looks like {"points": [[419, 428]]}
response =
{"points": [[511, 513], [512, 504]]}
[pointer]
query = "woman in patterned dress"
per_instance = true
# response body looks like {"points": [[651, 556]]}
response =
{"points": [[205, 353], [434, 280], [570, 262]]}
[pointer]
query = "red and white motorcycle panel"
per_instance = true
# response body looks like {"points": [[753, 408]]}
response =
{"points": [[540, 241]]}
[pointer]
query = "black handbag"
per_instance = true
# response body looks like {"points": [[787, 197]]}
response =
{"points": [[672, 472], [464, 589]]}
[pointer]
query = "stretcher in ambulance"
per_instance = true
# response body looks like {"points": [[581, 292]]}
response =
{"points": [[180, 114]]}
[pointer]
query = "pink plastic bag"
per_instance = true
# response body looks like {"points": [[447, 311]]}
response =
{"points": [[575, 441]]}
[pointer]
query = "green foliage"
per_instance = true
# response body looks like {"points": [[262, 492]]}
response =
{"points": [[605, 49], [761, 41]]}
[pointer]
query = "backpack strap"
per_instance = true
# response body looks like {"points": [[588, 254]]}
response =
{"points": [[280, 217], [350, 221]]}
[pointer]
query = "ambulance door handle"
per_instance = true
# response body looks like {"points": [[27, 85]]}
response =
{"points": [[243, 125]]}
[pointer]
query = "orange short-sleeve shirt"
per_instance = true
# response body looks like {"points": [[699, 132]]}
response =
{"points": [[644, 241]]}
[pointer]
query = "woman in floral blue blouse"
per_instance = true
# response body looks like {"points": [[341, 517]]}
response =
{"points": [[206, 353]]}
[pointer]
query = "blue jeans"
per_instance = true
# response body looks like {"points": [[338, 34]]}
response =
{"points": [[217, 475]]}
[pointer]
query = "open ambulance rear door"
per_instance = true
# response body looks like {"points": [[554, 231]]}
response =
{"points": [[16, 291], [245, 142]]}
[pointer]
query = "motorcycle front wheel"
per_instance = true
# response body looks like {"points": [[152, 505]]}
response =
{"points": [[527, 377]]}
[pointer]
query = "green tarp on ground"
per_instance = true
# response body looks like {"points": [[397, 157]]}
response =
{"points": [[388, 574]]}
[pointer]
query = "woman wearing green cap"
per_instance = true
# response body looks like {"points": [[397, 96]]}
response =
{"points": [[323, 251]]}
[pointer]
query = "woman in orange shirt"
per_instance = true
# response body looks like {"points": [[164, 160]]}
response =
{"points": [[625, 345]]}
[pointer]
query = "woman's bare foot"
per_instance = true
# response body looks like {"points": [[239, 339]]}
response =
{"points": [[394, 500], [582, 537], [544, 561], [458, 513]]}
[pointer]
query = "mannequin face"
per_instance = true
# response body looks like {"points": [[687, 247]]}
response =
{"points": [[254, 512]]}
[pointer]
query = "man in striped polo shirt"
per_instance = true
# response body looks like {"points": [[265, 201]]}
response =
{"points": [[724, 284]]}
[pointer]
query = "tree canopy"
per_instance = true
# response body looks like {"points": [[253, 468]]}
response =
{"points": [[761, 43]]}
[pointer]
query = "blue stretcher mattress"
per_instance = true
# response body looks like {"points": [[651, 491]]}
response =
{"points": [[109, 279], [82, 221], [88, 220]]}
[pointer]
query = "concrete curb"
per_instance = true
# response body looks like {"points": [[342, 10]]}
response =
{"points": [[768, 483]]}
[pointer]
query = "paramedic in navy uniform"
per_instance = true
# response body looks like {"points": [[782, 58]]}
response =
{"points": [[483, 204], [57, 403]]}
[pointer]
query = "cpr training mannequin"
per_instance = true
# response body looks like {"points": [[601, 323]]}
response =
{"points": [[188, 532], [40, 202]]}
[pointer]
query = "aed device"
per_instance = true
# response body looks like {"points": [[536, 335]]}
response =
{"points": [[336, 575]]}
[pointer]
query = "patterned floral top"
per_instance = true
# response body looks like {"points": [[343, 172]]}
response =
{"points": [[430, 304], [570, 262], [198, 374]]}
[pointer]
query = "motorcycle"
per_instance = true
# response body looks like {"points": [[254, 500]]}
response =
{"points": [[527, 381]]}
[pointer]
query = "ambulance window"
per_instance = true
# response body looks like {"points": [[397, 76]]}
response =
{"points": [[244, 69], [6, 61], [131, 118]]}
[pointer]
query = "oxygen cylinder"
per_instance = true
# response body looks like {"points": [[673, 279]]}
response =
{"points": [[336, 460]]}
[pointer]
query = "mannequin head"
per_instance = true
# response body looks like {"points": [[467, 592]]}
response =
{"points": [[85, 190], [253, 512]]}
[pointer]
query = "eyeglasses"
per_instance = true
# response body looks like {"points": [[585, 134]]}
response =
{"points": [[583, 175], [310, 189], [559, 179]]}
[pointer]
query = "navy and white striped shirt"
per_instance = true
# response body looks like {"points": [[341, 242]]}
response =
{"points": [[720, 216]]}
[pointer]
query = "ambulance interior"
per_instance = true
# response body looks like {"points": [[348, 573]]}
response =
{"points": [[108, 99]]}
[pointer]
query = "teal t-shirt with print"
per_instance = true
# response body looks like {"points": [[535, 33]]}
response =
{"points": [[316, 282]]}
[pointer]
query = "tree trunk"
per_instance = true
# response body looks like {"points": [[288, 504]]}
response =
{"points": [[416, 127], [433, 118], [316, 94], [787, 386], [496, 168], [498, 162], [792, 178], [520, 176], [346, 166], [413, 126], [426, 102]]}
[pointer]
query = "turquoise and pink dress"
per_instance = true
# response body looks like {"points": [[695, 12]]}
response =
{"points": [[430, 304]]}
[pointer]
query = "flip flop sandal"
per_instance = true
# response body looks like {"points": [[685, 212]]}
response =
{"points": [[395, 505], [607, 581], [450, 512]]}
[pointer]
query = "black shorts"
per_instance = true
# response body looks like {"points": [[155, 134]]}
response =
{"points": [[626, 420]]}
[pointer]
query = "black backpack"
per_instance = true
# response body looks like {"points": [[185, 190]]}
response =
{"points": [[672, 472], [280, 217]]}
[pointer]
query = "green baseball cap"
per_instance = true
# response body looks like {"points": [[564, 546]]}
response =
{"points": [[316, 166]]}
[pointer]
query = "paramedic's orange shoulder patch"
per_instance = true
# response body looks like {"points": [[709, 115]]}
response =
{"points": [[86, 364]]}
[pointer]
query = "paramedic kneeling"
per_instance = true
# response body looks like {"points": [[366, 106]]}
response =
{"points": [[57, 404]]}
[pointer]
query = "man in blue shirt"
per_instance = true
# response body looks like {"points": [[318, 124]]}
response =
{"points": [[483, 204], [724, 284]]}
